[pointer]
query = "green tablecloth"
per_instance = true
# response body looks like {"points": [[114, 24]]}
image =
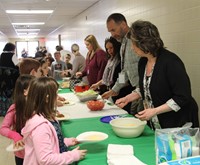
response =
{"points": [[64, 90], [143, 146]]}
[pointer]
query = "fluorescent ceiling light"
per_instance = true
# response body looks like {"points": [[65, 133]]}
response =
{"points": [[28, 30], [22, 34], [27, 37], [29, 11], [29, 23], [32, 33]]}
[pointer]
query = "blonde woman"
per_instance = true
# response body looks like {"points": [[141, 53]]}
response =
{"points": [[96, 61]]}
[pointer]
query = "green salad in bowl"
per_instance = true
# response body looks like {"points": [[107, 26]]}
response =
{"points": [[87, 95]]}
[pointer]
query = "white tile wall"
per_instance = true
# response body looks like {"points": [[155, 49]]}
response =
{"points": [[177, 20]]}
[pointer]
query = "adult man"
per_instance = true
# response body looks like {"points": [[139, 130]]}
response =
{"points": [[118, 27]]}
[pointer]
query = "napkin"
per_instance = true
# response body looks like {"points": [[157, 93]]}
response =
{"points": [[121, 154], [115, 150], [126, 160]]}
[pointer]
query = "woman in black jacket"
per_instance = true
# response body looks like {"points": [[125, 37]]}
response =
{"points": [[8, 57], [9, 72], [163, 82]]}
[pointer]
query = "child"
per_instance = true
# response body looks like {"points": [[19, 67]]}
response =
{"points": [[14, 119], [49, 60], [45, 70], [43, 139], [58, 67], [44, 66], [67, 61], [30, 66], [33, 67]]}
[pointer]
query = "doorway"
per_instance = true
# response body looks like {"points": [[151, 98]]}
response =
{"points": [[28, 46]]}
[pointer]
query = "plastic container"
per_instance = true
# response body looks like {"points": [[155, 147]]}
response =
{"points": [[81, 88]]}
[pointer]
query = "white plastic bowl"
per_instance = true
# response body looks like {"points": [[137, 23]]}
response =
{"points": [[128, 127]]}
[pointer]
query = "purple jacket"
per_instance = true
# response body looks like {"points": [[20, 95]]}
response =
{"points": [[42, 146], [95, 67]]}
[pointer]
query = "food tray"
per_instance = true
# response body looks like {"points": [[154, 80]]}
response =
{"points": [[64, 84]]}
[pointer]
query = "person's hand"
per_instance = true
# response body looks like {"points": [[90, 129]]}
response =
{"points": [[63, 73], [18, 144], [122, 102], [59, 103], [74, 141], [78, 74], [60, 98], [69, 71], [146, 114], [94, 86], [82, 153], [108, 94], [66, 72]]}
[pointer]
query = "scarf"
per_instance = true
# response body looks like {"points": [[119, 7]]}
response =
{"points": [[109, 70]]}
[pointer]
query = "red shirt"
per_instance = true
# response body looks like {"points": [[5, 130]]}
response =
{"points": [[95, 67]]}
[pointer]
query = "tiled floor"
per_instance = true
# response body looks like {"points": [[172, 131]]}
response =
{"points": [[6, 158]]}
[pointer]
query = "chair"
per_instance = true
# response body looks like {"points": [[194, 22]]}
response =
{"points": [[8, 77]]}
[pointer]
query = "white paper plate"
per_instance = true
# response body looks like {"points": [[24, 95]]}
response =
{"points": [[66, 117], [92, 136], [11, 148]]}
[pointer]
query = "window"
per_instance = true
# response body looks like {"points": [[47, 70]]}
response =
{"points": [[29, 46]]}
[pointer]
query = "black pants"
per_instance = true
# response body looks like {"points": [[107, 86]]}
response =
{"points": [[18, 161]]}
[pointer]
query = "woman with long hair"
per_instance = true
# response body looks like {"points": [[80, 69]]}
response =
{"points": [[96, 61]]}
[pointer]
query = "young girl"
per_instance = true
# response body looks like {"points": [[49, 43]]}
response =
{"points": [[44, 67], [14, 119], [45, 70], [43, 139], [49, 60]]}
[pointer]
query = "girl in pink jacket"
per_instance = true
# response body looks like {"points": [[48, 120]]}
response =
{"points": [[43, 139], [14, 121]]}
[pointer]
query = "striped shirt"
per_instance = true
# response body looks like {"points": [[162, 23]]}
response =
{"points": [[130, 65]]}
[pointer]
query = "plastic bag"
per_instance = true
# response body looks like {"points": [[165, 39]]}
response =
{"points": [[176, 143]]}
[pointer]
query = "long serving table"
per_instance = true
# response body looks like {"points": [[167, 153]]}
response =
{"points": [[83, 120], [80, 110], [97, 152]]}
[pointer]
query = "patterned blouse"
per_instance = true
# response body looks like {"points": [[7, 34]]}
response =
{"points": [[148, 103], [62, 146]]}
